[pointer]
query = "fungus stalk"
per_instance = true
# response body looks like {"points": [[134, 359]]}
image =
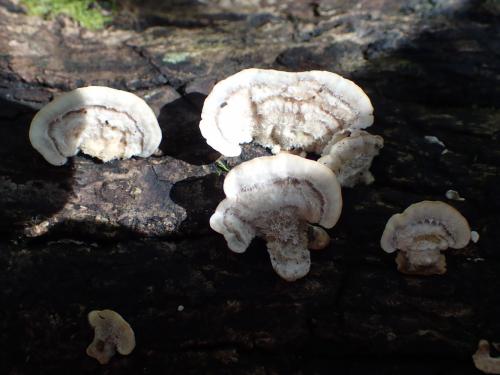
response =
{"points": [[430, 261], [287, 242]]}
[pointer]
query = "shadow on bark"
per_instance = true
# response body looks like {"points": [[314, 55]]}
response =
{"points": [[178, 13], [182, 139], [444, 84], [31, 188], [199, 196]]}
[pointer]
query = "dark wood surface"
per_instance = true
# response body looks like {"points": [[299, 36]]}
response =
{"points": [[133, 235]]}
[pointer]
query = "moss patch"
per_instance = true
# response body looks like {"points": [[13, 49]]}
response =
{"points": [[90, 14], [175, 57]]}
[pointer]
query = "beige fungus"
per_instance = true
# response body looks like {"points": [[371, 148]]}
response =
{"points": [[276, 197], [349, 155], [99, 121], [483, 360], [282, 110], [111, 334], [421, 232], [318, 238]]}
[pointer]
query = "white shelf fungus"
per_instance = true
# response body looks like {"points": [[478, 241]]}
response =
{"points": [[100, 121], [276, 197], [421, 232], [349, 155], [483, 360], [282, 110], [474, 236], [111, 334], [453, 195]]}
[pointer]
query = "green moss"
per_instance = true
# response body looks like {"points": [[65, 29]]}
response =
{"points": [[88, 13], [175, 57]]}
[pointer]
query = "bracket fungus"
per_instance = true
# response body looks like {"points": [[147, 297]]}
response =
{"points": [[112, 334], [282, 110], [276, 197], [100, 121], [421, 232], [349, 155], [483, 360]]}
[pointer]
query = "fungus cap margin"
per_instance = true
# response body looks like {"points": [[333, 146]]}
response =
{"points": [[80, 98], [457, 226], [265, 169], [229, 144]]}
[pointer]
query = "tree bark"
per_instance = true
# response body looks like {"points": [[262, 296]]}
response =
{"points": [[133, 235]]}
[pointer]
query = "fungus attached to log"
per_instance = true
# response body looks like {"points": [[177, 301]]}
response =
{"points": [[318, 238], [349, 155], [421, 232], [100, 121], [483, 360], [282, 110], [276, 197], [112, 334]]}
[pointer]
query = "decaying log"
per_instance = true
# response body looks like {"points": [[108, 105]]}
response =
{"points": [[133, 235]]}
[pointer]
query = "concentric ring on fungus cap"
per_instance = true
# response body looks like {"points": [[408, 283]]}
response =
{"points": [[277, 198], [99, 121], [282, 110], [421, 232]]}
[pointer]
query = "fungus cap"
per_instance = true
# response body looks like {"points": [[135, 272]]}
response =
{"points": [[112, 333], [282, 110], [474, 236], [349, 155], [421, 232], [432, 224], [275, 197], [100, 121], [483, 360]]}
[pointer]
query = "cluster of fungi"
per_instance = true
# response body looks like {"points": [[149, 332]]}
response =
{"points": [[287, 199]]}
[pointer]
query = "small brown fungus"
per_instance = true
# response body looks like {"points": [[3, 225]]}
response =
{"points": [[318, 238], [111, 334], [483, 360]]}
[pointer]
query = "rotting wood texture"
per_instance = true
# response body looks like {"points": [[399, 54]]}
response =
{"points": [[133, 235]]}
